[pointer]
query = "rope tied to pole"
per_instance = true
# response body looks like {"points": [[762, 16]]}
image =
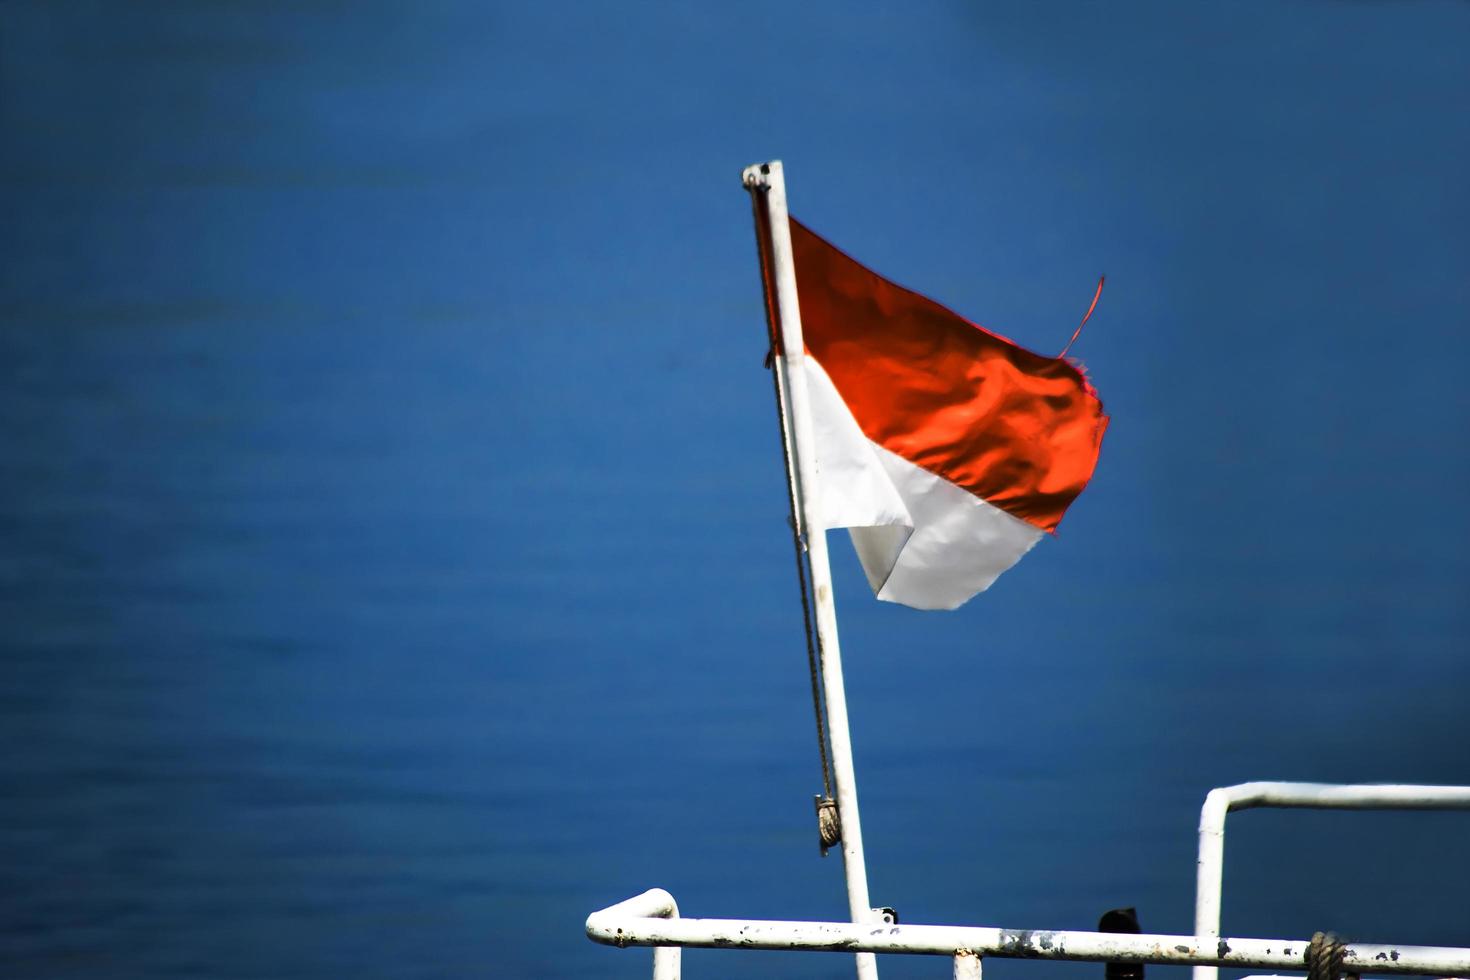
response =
{"points": [[829, 823]]}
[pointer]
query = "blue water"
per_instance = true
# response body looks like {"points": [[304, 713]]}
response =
{"points": [[392, 558]]}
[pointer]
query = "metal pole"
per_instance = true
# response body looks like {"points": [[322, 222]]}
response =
{"points": [[770, 178]]}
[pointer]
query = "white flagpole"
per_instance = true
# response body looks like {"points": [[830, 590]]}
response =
{"points": [[769, 178]]}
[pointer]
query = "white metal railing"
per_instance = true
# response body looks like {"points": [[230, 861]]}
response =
{"points": [[1321, 796], [652, 904], [629, 924], [652, 918]]}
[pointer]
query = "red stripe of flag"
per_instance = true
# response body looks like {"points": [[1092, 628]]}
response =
{"points": [[1017, 429]]}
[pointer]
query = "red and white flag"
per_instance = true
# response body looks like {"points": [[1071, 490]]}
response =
{"points": [[947, 450]]}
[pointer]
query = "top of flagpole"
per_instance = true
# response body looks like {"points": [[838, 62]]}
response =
{"points": [[758, 174]]}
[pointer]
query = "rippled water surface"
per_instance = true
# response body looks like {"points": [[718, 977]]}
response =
{"points": [[392, 558]]}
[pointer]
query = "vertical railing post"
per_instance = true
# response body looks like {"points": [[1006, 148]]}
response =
{"points": [[666, 962]]}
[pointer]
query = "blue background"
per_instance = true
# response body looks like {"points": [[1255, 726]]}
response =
{"points": [[393, 566]]}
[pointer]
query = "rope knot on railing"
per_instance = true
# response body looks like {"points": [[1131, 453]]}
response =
{"points": [[1325, 956]]}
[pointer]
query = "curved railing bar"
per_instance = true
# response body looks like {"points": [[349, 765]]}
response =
{"points": [[1317, 796]]}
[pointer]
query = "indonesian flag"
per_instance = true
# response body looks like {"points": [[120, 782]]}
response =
{"points": [[947, 450]]}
